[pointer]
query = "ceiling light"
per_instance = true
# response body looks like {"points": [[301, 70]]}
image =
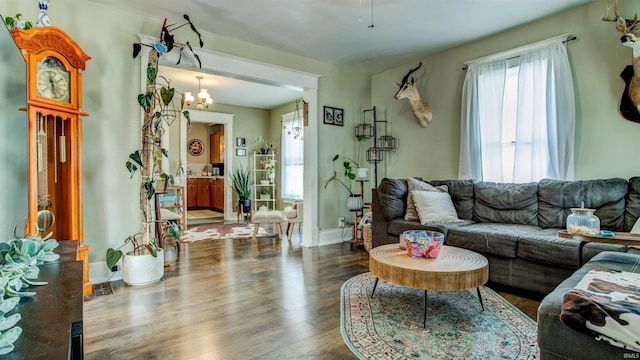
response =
{"points": [[204, 99]]}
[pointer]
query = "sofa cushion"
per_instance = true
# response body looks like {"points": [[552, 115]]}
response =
{"points": [[490, 238], [548, 248], [607, 196], [461, 192], [434, 206], [392, 194], [632, 206], [506, 203], [414, 184]]}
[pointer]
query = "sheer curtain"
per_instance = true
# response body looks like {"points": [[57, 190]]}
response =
{"points": [[544, 120], [292, 162]]}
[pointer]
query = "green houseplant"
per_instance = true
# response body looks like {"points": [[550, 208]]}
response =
{"points": [[263, 144], [159, 110], [240, 184], [350, 169]]}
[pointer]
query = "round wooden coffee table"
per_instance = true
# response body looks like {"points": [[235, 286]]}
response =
{"points": [[454, 269]]}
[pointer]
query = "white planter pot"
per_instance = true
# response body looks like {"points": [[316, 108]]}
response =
{"points": [[354, 202], [265, 196], [362, 173], [142, 269]]}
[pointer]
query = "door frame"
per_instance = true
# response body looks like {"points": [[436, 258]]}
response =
{"points": [[255, 71]]}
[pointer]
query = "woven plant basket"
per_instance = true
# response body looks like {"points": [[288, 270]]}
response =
{"points": [[366, 235]]}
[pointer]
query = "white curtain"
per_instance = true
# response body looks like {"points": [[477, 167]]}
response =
{"points": [[545, 120], [292, 162]]}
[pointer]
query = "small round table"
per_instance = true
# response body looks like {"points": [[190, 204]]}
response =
{"points": [[454, 269]]}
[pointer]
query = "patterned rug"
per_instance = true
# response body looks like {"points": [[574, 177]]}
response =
{"points": [[390, 325], [219, 231]]}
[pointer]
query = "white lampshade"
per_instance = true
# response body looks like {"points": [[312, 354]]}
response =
{"points": [[188, 98]]}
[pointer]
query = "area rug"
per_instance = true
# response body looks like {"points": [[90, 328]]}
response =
{"points": [[203, 214], [218, 231], [390, 325]]}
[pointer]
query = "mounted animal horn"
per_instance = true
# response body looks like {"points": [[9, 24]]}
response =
{"points": [[407, 90], [630, 28]]}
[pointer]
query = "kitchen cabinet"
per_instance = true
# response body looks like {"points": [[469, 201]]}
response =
{"points": [[202, 199], [216, 148], [217, 194], [192, 192]]}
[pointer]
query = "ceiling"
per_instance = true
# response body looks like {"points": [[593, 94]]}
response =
{"points": [[340, 31]]}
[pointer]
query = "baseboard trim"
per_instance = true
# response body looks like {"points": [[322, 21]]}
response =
{"points": [[334, 236]]}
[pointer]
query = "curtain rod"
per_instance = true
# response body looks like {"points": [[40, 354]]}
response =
{"points": [[514, 52]]}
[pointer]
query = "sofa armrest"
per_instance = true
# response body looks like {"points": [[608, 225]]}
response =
{"points": [[379, 225]]}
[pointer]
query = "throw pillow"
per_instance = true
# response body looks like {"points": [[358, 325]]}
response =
{"points": [[411, 214], [435, 206]]}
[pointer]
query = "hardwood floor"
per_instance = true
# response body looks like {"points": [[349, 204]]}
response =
{"points": [[234, 299]]}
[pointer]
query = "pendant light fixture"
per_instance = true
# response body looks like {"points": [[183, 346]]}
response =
{"points": [[204, 99], [296, 128]]}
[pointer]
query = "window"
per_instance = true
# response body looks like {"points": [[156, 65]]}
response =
{"points": [[292, 161], [518, 117]]}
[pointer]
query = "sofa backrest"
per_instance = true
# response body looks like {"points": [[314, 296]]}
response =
{"points": [[606, 196], [506, 203], [462, 195]]}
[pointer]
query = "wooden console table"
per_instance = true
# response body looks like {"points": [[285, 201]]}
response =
{"points": [[52, 320], [619, 238]]}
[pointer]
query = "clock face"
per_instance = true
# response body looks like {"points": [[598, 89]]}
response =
{"points": [[53, 80]]}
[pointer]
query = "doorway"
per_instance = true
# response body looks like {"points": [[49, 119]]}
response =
{"points": [[250, 70]]}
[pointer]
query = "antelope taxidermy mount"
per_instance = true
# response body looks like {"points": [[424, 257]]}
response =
{"points": [[630, 28], [408, 91]]}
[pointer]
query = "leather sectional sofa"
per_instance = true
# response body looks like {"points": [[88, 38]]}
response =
{"points": [[516, 225]]}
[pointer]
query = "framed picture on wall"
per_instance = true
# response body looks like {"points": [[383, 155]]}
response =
{"points": [[241, 152], [240, 142], [337, 117], [328, 115], [333, 116]]}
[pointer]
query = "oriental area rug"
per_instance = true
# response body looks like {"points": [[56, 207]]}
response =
{"points": [[217, 231], [390, 325]]}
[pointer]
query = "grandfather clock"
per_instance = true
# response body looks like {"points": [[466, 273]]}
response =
{"points": [[54, 100]]}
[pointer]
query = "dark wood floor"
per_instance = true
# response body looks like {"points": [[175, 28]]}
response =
{"points": [[234, 299]]}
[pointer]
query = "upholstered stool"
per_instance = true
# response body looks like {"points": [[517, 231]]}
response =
{"points": [[268, 217]]}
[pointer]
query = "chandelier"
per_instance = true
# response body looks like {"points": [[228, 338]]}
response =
{"points": [[295, 128], [204, 99]]}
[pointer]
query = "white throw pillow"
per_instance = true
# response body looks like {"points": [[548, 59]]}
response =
{"points": [[434, 206], [636, 227], [411, 213]]}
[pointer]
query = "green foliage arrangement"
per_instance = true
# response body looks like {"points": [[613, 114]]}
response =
{"points": [[159, 108], [19, 260], [240, 183]]}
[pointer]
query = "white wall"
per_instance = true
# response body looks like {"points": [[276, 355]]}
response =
{"points": [[606, 144]]}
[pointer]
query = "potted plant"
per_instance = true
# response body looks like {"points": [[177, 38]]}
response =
{"points": [[240, 184], [159, 110], [352, 170], [265, 194], [263, 144], [271, 170]]}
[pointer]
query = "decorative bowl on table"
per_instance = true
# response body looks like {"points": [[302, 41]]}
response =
{"points": [[423, 243]]}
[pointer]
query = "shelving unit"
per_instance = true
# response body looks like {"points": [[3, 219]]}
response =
{"points": [[262, 174], [357, 237], [178, 206]]}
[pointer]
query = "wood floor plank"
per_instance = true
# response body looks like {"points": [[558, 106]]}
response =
{"points": [[234, 299]]}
